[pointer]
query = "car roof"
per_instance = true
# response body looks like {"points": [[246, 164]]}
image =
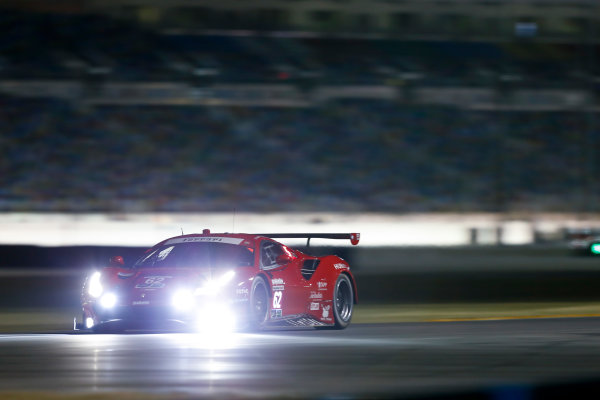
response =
{"points": [[207, 237], [248, 238]]}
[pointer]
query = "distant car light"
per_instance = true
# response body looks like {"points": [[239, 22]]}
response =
{"points": [[89, 323], [94, 286], [183, 300], [214, 286], [109, 300], [595, 248]]}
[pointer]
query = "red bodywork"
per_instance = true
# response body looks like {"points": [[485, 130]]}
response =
{"points": [[300, 289]]}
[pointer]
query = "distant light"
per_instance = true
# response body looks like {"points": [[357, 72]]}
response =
{"points": [[89, 322], [526, 29], [595, 248]]}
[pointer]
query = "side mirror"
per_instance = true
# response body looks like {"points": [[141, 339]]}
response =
{"points": [[283, 259], [117, 261]]}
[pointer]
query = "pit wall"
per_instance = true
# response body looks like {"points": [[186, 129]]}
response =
{"points": [[41, 277]]}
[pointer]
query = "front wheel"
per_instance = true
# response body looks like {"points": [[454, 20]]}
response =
{"points": [[259, 303], [343, 302]]}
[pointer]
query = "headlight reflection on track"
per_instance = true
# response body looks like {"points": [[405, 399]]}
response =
{"points": [[215, 318], [207, 340]]}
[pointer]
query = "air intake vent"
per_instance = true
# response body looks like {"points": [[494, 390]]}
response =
{"points": [[309, 267]]}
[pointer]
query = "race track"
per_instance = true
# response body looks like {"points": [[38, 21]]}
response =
{"points": [[507, 359], [493, 359]]}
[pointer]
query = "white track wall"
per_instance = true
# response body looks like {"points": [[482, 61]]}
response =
{"points": [[375, 229]]}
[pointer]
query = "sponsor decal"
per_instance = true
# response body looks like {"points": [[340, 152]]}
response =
{"points": [[322, 285], [277, 296], [314, 306], [340, 266], [315, 295], [214, 239], [152, 282], [278, 284], [141, 303], [241, 291], [164, 253], [276, 313], [325, 315]]}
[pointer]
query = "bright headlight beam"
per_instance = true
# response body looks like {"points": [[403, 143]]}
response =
{"points": [[212, 287], [183, 299], [215, 318], [226, 277], [94, 286], [109, 300]]}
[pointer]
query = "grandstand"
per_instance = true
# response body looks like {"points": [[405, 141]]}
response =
{"points": [[113, 106]]}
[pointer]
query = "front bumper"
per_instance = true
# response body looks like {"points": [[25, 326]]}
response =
{"points": [[155, 317]]}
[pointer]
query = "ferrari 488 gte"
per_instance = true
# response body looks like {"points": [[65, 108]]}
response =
{"points": [[237, 281]]}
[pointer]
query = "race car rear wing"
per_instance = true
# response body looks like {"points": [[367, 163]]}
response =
{"points": [[354, 237]]}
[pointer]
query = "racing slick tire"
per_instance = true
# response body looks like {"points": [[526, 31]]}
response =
{"points": [[343, 302], [259, 304]]}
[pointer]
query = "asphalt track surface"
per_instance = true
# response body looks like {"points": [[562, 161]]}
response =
{"points": [[508, 359]]}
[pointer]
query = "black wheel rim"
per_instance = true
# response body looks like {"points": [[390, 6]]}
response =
{"points": [[259, 303], [343, 300]]}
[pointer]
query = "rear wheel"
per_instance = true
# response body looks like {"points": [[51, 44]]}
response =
{"points": [[259, 303], [343, 302]]}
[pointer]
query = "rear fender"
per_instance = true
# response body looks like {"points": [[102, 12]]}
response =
{"points": [[329, 269]]}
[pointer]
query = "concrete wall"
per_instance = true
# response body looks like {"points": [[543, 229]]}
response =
{"points": [[137, 229], [38, 277]]}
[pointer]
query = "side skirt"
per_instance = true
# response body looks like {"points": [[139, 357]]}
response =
{"points": [[300, 320]]}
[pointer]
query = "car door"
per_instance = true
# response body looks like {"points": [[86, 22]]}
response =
{"points": [[280, 264]]}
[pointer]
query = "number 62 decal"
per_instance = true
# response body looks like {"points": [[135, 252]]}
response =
{"points": [[277, 299]]}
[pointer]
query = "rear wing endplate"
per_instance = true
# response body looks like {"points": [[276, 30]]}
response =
{"points": [[353, 237]]}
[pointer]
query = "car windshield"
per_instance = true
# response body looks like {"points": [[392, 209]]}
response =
{"points": [[190, 255]]}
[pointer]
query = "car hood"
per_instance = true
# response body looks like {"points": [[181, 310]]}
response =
{"points": [[152, 285]]}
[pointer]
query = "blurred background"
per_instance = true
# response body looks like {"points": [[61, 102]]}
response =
{"points": [[461, 138], [464, 108], [446, 122]]}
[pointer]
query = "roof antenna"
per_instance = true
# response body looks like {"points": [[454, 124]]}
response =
{"points": [[233, 222], [181, 230]]}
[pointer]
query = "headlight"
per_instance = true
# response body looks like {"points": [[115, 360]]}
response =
{"points": [[109, 300], [214, 286], [94, 286], [214, 317], [183, 300]]}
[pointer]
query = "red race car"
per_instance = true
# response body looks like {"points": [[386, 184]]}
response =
{"points": [[224, 280]]}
